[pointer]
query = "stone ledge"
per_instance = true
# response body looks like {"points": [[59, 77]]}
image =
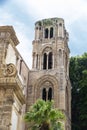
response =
{"points": [[15, 84], [7, 81]]}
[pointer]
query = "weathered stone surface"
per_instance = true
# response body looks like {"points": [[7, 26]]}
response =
{"points": [[21, 87], [51, 65], [11, 88]]}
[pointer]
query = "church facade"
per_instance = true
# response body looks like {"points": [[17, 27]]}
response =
{"points": [[20, 87]]}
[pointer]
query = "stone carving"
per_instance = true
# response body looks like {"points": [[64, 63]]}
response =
{"points": [[10, 70]]}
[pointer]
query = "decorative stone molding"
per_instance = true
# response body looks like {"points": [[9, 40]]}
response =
{"points": [[45, 80], [9, 30]]}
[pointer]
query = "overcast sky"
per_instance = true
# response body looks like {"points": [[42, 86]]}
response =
{"points": [[22, 15]]}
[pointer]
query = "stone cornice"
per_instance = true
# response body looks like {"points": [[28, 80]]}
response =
{"points": [[10, 30], [15, 84]]}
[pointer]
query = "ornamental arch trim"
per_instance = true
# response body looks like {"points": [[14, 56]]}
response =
{"points": [[38, 86], [44, 47]]}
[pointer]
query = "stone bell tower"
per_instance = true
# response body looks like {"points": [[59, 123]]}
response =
{"points": [[49, 77]]}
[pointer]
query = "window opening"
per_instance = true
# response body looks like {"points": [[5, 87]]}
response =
{"points": [[60, 24], [46, 33], [50, 60], [50, 94], [44, 94], [39, 28], [20, 66], [51, 32], [45, 61]]}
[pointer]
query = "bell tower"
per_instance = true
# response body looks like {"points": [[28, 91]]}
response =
{"points": [[49, 77]]}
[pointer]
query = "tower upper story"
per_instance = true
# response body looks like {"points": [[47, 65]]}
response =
{"points": [[48, 29], [50, 46]]}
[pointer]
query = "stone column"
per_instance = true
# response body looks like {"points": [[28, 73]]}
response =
{"points": [[52, 60], [38, 61], [47, 61], [35, 61], [41, 62]]}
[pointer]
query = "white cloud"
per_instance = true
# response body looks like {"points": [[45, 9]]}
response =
{"points": [[72, 11], [20, 28], [25, 45], [68, 9]]}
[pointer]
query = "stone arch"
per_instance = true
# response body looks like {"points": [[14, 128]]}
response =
{"points": [[44, 47], [47, 58], [38, 86], [47, 49]]}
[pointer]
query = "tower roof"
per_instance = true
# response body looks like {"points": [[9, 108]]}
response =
{"points": [[49, 21]]}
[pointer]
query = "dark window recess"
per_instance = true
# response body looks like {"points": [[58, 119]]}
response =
{"points": [[39, 28], [60, 24], [20, 66], [51, 32], [45, 61], [50, 94], [46, 33], [36, 28], [50, 60], [44, 94]]}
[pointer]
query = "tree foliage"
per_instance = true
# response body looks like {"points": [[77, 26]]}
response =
{"points": [[78, 77], [42, 116]]}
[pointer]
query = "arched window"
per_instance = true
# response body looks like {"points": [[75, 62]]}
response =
{"points": [[51, 32], [60, 30], [60, 24], [46, 33], [44, 61], [44, 94], [50, 60], [50, 94]]}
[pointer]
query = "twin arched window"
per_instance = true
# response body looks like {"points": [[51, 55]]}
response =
{"points": [[47, 60], [49, 33]]}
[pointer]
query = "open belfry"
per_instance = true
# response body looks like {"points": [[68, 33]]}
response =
{"points": [[48, 79]]}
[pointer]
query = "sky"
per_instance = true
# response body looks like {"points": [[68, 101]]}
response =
{"points": [[22, 15]]}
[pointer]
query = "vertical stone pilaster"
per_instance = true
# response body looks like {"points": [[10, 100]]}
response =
{"points": [[6, 102]]}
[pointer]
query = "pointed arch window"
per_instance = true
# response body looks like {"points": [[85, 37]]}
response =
{"points": [[44, 94], [51, 32], [45, 61], [50, 94], [50, 60], [46, 33]]}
